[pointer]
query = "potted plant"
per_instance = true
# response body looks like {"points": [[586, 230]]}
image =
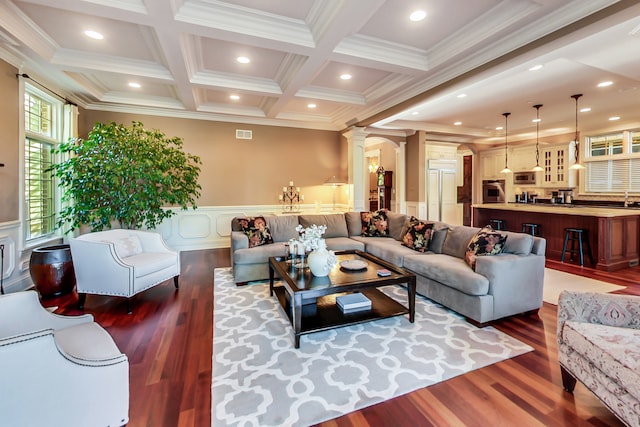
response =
{"points": [[124, 173]]}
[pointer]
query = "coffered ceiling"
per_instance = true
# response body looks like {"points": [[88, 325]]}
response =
{"points": [[404, 75]]}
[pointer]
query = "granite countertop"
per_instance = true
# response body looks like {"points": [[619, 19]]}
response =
{"points": [[562, 209]]}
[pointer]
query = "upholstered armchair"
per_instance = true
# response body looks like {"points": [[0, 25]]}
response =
{"points": [[599, 344], [58, 370], [121, 263]]}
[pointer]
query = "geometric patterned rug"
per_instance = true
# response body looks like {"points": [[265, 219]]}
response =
{"points": [[260, 379]]}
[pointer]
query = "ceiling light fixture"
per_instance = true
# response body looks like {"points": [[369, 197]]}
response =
{"points": [[577, 164], [135, 85], [462, 95], [243, 59], [614, 118], [536, 67], [605, 84], [537, 167], [585, 110], [234, 97], [506, 145], [311, 105], [345, 76], [94, 35], [418, 15], [457, 123], [415, 113]]}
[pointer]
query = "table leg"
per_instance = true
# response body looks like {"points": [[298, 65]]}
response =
{"points": [[271, 277], [411, 291], [296, 317]]}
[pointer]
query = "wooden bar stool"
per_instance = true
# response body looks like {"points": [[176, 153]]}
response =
{"points": [[497, 224], [531, 228], [581, 236]]}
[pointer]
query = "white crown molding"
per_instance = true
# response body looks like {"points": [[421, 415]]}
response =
{"points": [[322, 15], [378, 50], [389, 84], [73, 59], [234, 110], [289, 69], [238, 19], [22, 28], [326, 94], [130, 5], [148, 101], [304, 117], [244, 83]]}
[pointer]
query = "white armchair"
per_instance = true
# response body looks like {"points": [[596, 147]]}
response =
{"points": [[58, 370], [121, 263]]}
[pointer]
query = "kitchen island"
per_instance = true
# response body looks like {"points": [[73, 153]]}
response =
{"points": [[614, 233]]}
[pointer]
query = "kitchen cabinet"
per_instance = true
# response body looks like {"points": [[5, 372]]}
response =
{"points": [[554, 160], [523, 159], [492, 163]]}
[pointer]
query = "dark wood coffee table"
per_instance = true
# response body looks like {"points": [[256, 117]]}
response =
{"points": [[310, 301]]}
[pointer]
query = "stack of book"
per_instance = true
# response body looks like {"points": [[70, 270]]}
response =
{"points": [[356, 301]]}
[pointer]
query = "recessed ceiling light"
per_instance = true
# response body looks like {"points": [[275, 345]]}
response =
{"points": [[536, 120], [345, 76], [462, 95], [93, 34], [311, 105], [415, 113], [614, 118], [243, 59], [536, 67], [585, 109], [605, 84], [457, 123], [499, 128], [418, 15], [234, 97], [134, 85]]}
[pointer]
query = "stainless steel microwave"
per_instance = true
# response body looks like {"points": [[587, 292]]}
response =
{"points": [[522, 178]]}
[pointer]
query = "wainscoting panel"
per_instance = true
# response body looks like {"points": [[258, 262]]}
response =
{"points": [[14, 276]]}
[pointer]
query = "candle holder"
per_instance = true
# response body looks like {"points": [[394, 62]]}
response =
{"points": [[290, 198]]}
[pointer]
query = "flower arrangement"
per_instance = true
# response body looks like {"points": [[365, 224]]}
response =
{"points": [[310, 237]]}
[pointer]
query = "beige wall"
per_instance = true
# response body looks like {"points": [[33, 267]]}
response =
{"points": [[415, 165], [9, 143], [247, 172]]}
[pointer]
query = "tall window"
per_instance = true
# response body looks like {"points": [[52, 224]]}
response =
{"points": [[614, 164], [41, 134]]}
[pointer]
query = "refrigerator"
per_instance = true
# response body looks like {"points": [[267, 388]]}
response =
{"points": [[442, 192]]}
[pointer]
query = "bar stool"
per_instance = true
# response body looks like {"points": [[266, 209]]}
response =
{"points": [[497, 224], [531, 228], [576, 234]]}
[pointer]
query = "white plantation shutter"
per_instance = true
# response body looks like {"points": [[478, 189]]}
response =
{"points": [[615, 175]]}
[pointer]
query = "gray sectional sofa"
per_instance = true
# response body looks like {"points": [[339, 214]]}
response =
{"points": [[503, 285]]}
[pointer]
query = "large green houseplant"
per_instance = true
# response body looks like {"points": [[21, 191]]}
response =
{"points": [[124, 173]]}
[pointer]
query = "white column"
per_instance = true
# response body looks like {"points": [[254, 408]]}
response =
{"points": [[355, 142], [401, 178]]}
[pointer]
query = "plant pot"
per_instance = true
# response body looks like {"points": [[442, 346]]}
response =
{"points": [[51, 269]]}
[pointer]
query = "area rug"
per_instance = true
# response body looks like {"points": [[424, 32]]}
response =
{"points": [[557, 281], [260, 379]]}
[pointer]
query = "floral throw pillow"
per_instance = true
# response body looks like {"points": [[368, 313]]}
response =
{"points": [[374, 224], [486, 242], [256, 230], [418, 236]]}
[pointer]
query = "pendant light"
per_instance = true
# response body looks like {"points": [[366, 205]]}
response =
{"points": [[577, 164], [506, 145], [537, 168]]}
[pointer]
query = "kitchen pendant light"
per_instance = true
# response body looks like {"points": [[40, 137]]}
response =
{"points": [[577, 164], [537, 168], [506, 145]]}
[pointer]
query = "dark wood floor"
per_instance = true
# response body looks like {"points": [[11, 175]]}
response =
{"points": [[168, 340]]}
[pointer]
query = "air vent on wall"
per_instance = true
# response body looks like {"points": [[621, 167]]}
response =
{"points": [[244, 134]]}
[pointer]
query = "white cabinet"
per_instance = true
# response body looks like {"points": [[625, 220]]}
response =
{"points": [[523, 159], [554, 160], [492, 163]]}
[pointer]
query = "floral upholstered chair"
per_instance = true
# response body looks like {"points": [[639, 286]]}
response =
{"points": [[599, 344]]}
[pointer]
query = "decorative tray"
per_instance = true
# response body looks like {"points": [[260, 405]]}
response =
{"points": [[354, 264]]}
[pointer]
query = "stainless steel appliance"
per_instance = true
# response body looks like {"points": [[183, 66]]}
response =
{"points": [[524, 178], [493, 191]]}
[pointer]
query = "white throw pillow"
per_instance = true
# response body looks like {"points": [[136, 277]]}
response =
{"points": [[128, 246]]}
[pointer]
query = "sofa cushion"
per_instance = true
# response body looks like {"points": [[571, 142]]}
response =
{"points": [[126, 246], [259, 254], [397, 224], [418, 236], [375, 224], [486, 242], [457, 240], [256, 230], [354, 223], [518, 243], [610, 349], [343, 244], [389, 250], [438, 236], [150, 262], [336, 224], [450, 271], [283, 227]]}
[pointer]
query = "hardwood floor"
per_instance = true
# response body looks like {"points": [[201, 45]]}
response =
{"points": [[168, 342]]}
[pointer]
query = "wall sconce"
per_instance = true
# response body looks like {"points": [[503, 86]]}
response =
{"points": [[291, 198], [335, 183]]}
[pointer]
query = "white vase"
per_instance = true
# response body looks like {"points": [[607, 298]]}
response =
{"points": [[321, 261]]}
